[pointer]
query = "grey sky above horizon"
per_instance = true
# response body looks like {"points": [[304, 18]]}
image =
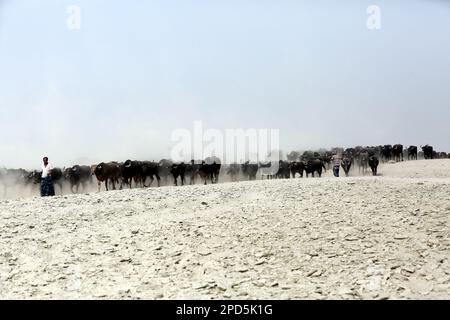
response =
{"points": [[118, 87]]}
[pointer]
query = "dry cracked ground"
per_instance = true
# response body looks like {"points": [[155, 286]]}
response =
{"points": [[347, 238]]}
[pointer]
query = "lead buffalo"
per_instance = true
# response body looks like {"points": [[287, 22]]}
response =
{"points": [[373, 163]]}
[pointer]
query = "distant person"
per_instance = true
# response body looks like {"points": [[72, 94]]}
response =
{"points": [[336, 159], [47, 188]]}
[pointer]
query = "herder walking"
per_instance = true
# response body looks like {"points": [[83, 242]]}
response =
{"points": [[47, 188], [336, 159]]}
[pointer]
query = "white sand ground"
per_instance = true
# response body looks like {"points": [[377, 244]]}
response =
{"points": [[347, 238]]}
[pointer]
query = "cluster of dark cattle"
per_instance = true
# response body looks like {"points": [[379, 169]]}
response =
{"points": [[142, 173], [370, 156], [117, 174], [139, 172]]}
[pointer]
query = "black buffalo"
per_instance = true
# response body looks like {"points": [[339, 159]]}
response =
{"points": [[297, 167], [314, 165], [386, 152], [178, 170], [110, 171], [373, 163], [427, 152], [397, 152], [346, 164], [149, 169], [209, 171], [77, 175], [132, 170], [412, 153], [284, 171], [350, 152]]}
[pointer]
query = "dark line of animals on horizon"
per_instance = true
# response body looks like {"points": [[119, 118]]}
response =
{"points": [[121, 175]]}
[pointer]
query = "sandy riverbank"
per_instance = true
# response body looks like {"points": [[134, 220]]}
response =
{"points": [[358, 237]]}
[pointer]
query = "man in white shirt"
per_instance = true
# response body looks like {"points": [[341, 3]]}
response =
{"points": [[47, 188], [336, 159]]}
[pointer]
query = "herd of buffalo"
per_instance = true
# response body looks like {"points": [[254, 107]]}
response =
{"points": [[142, 173]]}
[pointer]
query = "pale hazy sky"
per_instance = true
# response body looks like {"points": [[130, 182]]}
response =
{"points": [[137, 70]]}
